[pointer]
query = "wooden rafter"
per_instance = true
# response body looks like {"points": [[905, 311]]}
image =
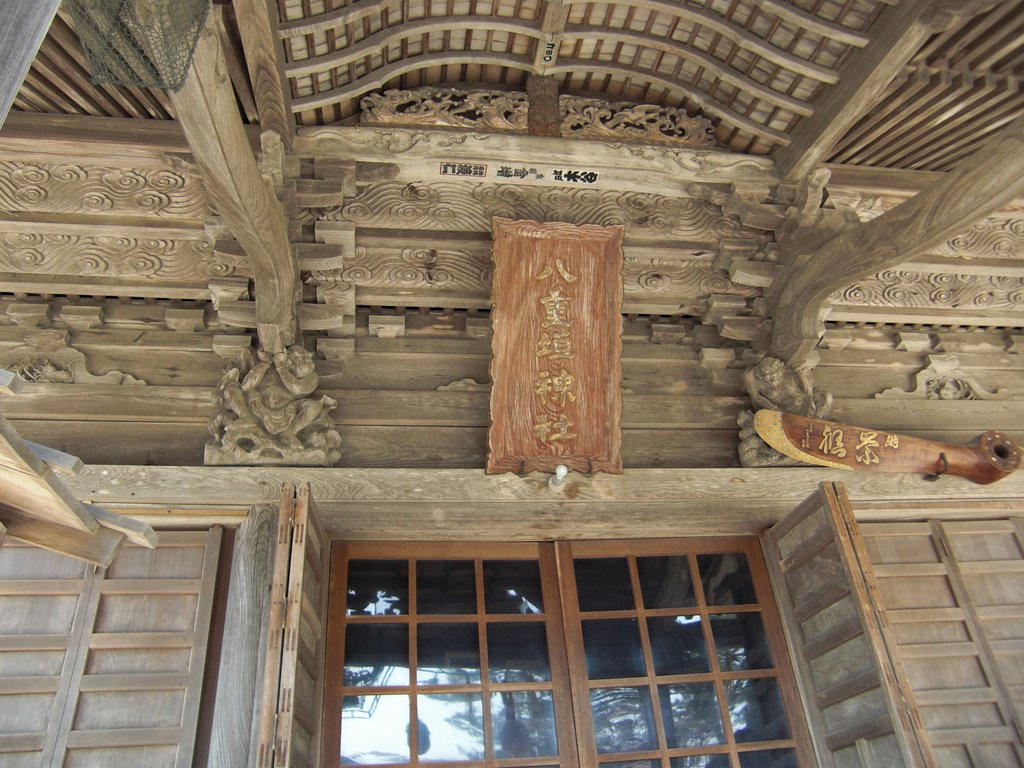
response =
{"points": [[257, 25], [899, 32], [991, 178], [209, 116]]}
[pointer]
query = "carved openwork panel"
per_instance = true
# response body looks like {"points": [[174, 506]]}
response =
{"points": [[506, 112], [556, 367]]}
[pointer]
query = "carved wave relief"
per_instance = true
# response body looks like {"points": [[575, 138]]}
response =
{"points": [[71, 188], [992, 238], [129, 257], [453, 206], [939, 290]]}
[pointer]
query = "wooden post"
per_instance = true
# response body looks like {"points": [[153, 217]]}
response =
{"points": [[987, 181], [207, 111], [235, 717], [543, 118], [21, 34], [257, 25]]}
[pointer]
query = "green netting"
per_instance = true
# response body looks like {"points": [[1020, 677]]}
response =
{"points": [[141, 43]]}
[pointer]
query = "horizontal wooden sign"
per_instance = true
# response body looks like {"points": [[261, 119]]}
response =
{"points": [[556, 369]]}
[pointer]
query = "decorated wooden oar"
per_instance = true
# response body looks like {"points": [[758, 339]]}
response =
{"points": [[831, 444]]}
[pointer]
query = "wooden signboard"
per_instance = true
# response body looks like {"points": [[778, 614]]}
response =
{"points": [[556, 369]]}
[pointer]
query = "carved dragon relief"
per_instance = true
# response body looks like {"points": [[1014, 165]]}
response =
{"points": [[72, 188], [268, 416], [454, 206], [47, 357], [938, 290], [773, 384], [942, 379], [506, 112]]}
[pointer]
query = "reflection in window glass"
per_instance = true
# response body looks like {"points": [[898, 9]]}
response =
{"points": [[377, 654], [691, 714], [726, 579], [603, 584], [512, 586], [623, 719], [755, 708], [447, 654], [454, 724], [378, 588], [700, 761], [375, 729], [771, 758], [632, 764], [665, 582], [523, 724], [445, 587], [740, 641], [677, 643], [612, 648], [517, 653]]}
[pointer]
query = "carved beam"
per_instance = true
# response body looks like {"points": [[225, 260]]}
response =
{"points": [[21, 34], [257, 25], [897, 34], [991, 178], [206, 108]]}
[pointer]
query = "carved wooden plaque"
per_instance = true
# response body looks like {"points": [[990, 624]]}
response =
{"points": [[556, 368]]}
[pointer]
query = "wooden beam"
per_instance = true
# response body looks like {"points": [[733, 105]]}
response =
{"points": [[988, 180], [466, 503], [98, 547], [21, 34], [135, 531], [897, 34], [544, 118], [257, 24], [206, 108]]}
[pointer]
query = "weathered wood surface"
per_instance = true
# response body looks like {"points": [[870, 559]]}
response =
{"points": [[986, 181], [460, 503], [209, 116], [951, 595], [257, 25], [98, 547], [556, 366], [25, 25], [897, 34], [234, 737], [859, 714]]}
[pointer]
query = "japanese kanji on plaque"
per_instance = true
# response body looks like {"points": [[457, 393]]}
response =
{"points": [[556, 367]]}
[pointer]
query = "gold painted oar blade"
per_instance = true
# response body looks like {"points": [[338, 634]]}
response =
{"points": [[771, 428]]}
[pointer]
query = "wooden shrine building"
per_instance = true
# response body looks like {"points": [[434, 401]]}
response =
{"points": [[274, 312]]}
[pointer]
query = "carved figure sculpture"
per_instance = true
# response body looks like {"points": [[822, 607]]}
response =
{"points": [[773, 384], [268, 416]]}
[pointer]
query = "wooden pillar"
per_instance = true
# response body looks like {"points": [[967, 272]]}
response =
{"points": [[21, 33], [205, 106], [243, 662], [544, 117]]}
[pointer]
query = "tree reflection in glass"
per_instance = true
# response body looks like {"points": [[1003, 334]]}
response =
{"points": [[375, 729], [666, 582], [756, 711], [455, 723], [623, 720], [612, 648], [523, 724], [770, 758], [447, 654], [726, 579], [377, 654], [677, 644], [691, 715], [517, 653], [700, 761], [512, 586], [378, 588], [740, 641]]}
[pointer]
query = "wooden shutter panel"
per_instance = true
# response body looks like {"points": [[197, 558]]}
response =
{"points": [[43, 600], [294, 686], [116, 656], [858, 711], [953, 593]]}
